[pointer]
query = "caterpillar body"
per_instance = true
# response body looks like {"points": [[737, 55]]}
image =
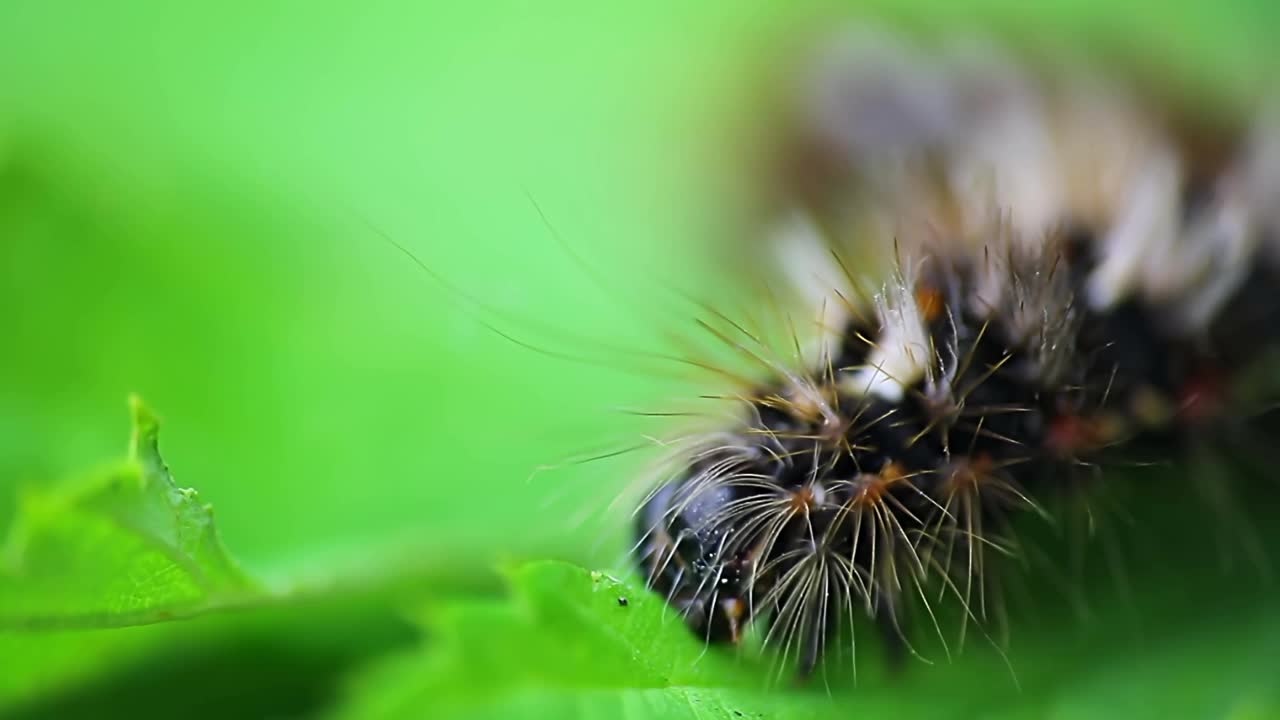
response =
{"points": [[1068, 275]]}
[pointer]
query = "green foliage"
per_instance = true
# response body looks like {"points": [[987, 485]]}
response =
{"points": [[564, 646], [177, 192], [568, 643], [564, 643], [126, 547]]}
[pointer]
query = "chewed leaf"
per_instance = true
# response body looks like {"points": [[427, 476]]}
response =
{"points": [[126, 546]]}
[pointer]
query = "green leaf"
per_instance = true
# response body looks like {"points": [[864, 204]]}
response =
{"points": [[277, 661], [568, 643], [573, 643], [127, 546], [564, 646], [41, 665]]}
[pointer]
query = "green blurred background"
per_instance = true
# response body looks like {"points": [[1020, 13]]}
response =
{"points": [[185, 196], [188, 202]]}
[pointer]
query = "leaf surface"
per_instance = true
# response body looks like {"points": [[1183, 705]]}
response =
{"points": [[126, 546], [564, 645]]}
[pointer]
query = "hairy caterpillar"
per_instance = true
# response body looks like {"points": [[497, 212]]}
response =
{"points": [[1014, 276]]}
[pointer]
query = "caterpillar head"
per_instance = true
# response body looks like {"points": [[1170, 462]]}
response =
{"points": [[689, 555]]}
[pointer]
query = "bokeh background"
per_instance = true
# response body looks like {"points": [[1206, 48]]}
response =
{"points": [[195, 205]]}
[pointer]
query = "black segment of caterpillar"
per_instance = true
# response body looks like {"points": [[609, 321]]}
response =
{"points": [[1000, 360]]}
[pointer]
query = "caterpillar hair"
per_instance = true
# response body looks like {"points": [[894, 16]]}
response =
{"points": [[1015, 275]]}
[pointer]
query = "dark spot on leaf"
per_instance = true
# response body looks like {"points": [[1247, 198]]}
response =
{"points": [[623, 602]]}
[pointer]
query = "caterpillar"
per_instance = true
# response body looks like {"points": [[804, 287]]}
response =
{"points": [[1016, 273]]}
